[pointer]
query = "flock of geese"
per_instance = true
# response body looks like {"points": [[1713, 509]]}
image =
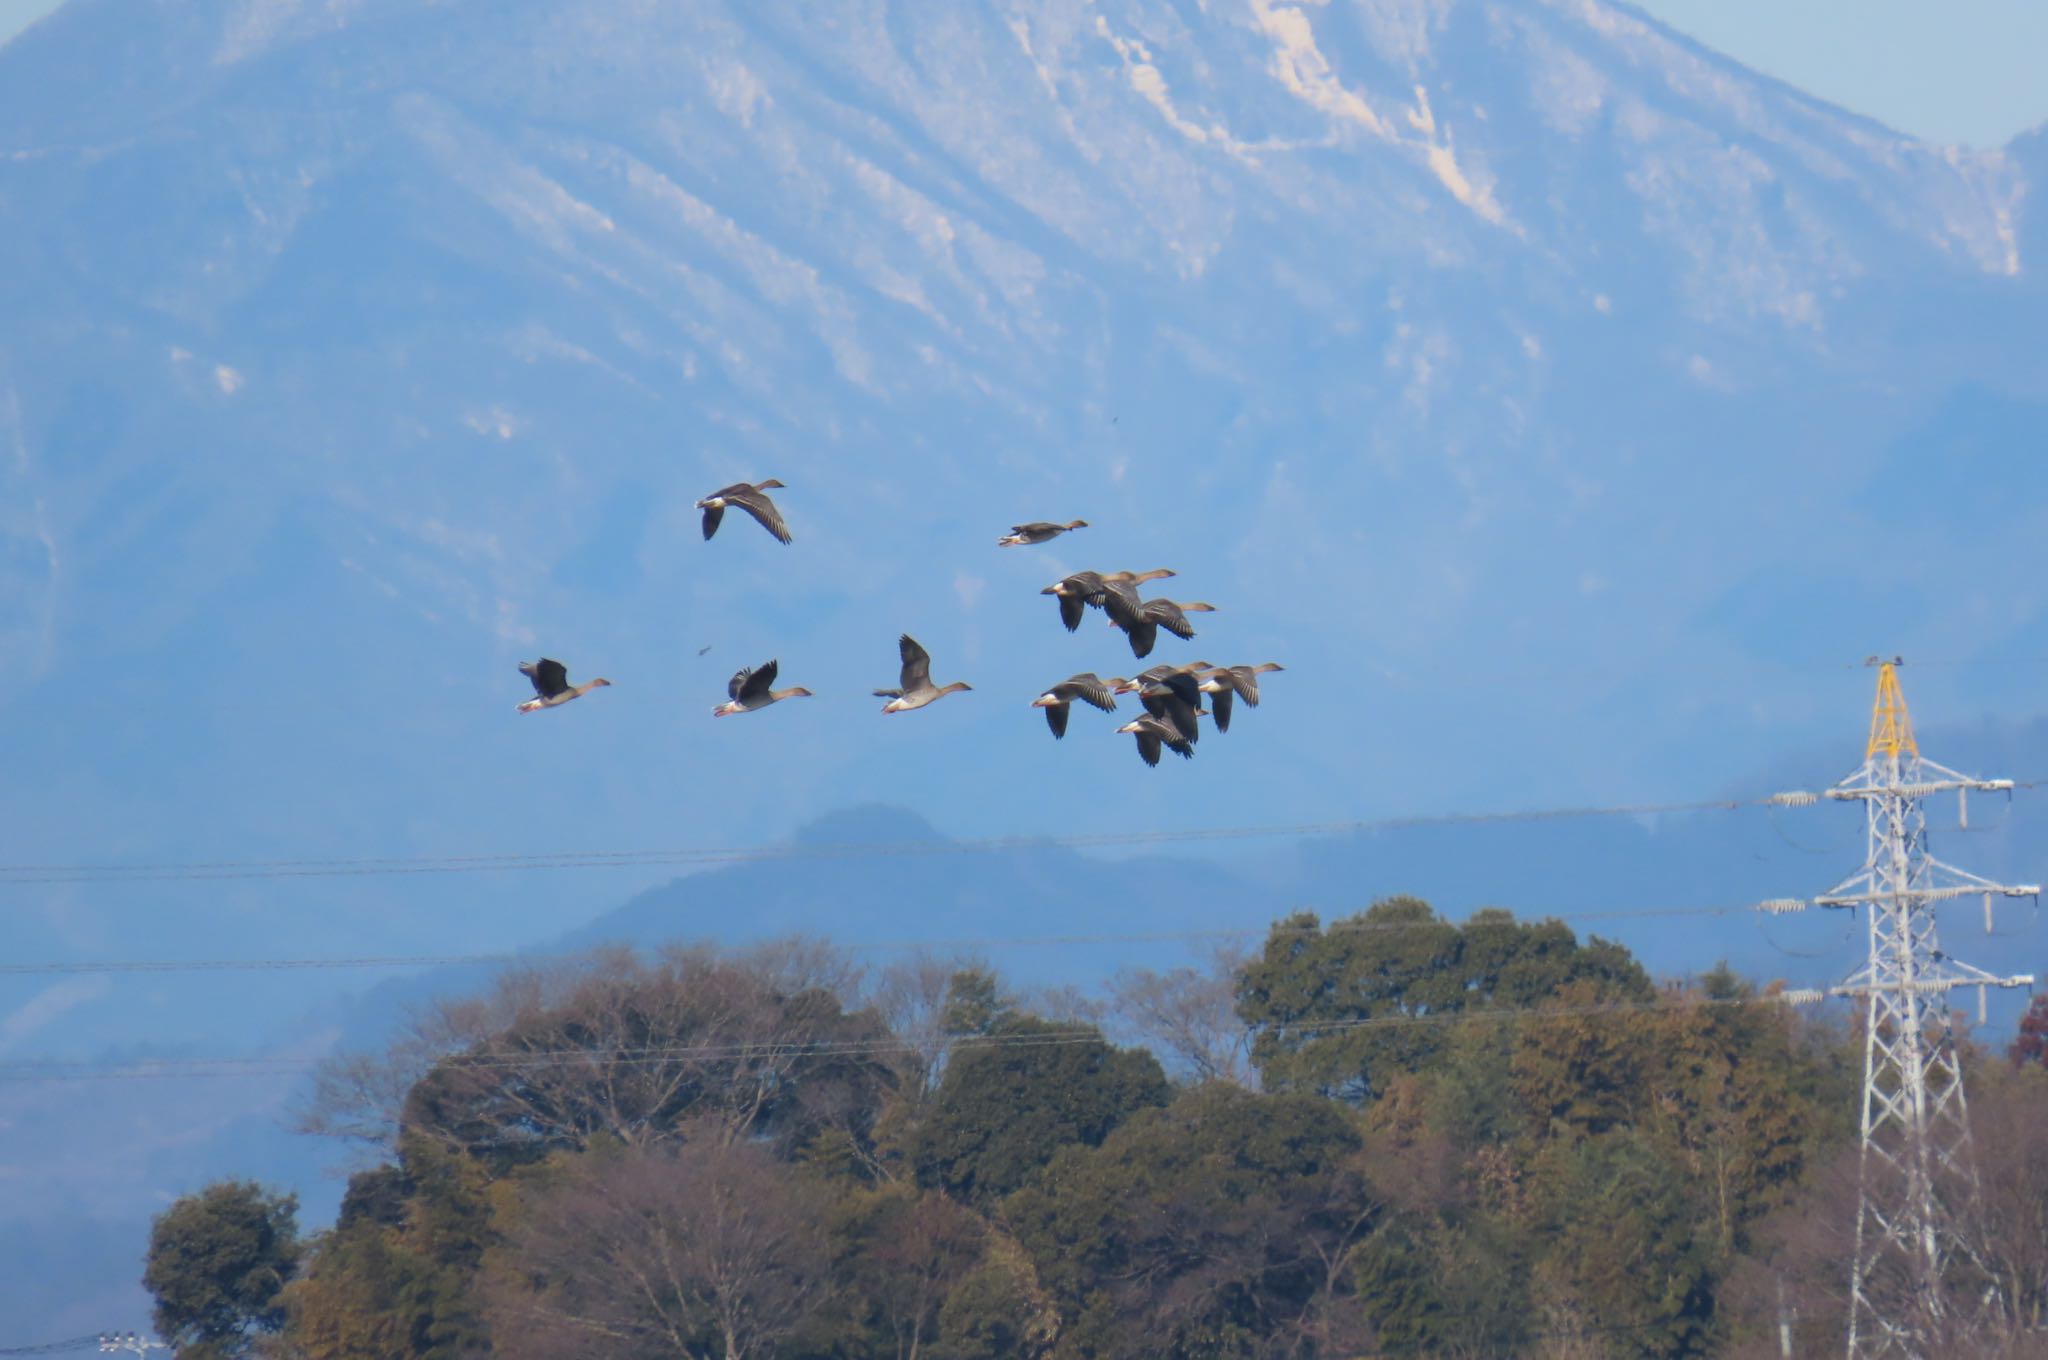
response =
{"points": [[1171, 694]]}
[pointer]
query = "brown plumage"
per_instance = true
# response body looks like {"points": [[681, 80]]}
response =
{"points": [[1059, 699], [551, 687], [749, 497], [1037, 531], [915, 688], [749, 690]]}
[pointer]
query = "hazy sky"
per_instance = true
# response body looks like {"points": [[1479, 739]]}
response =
{"points": [[1964, 71]]}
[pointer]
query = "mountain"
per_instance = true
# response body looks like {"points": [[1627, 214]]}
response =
{"points": [[1564, 404]]}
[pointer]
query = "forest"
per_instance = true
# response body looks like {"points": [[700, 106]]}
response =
{"points": [[1386, 1135]]}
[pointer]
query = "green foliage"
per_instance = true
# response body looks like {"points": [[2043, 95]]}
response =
{"points": [[395, 1280], [1625, 1250], [1341, 1011], [218, 1262], [1003, 1109], [1485, 1139], [1207, 1228]]}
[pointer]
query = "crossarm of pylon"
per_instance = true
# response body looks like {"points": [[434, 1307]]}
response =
{"points": [[1921, 986]]}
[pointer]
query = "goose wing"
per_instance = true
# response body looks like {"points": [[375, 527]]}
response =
{"points": [[1219, 708], [917, 664], [1245, 681], [1142, 634], [549, 677], [712, 515], [757, 504], [1056, 718], [1183, 697], [1168, 615], [1072, 607], [1088, 689], [752, 683], [1120, 602], [1148, 745]]}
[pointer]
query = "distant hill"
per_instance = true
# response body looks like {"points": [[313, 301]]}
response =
{"points": [[1561, 402]]}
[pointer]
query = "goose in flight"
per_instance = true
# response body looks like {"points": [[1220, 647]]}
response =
{"points": [[1152, 734], [748, 690], [750, 497], [1174, 697], [1093, 587], [1058, 700], [1242, 682], [1141, 622], [916, 684], [1037, 531], [551, 684]]}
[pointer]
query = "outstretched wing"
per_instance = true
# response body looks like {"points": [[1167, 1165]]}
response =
{"points": [[917, 664], [1120, 602], [1183, 697], [1056, 718], [754, 684], [1142, 634], [1148, 746], [712, 514], [757, 504], [1088, 689], [549, 677], [1071, 609], [1219, 708], [1168, 615]]}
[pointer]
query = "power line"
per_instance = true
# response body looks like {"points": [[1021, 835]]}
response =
{"points": [[397, 865], [968, 942], [274, 1065], [614, 859]]}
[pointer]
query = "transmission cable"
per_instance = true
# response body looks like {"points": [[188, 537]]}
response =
{"points": [[957, 943], [637, 1056]]}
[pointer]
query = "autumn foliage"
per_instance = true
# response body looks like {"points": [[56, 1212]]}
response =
{"points": [[1391, 1135]]}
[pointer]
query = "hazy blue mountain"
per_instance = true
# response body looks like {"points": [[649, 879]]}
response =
{"points": [[1564, 404]]}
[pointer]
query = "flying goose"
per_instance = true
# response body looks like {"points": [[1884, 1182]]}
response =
{"points": [[1037, 531], [748, 690], [917, 689], [1141, 622], [1153, 733], [749, 497], [1175, 697], [1091, 587], [1224, 682], [1059, 699], [551, 684]]}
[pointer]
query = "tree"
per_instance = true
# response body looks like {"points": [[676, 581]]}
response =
{"points": [[218, 1261], [739, 1047], [1223, 1224], [1342, 1010], [1029, 1088], [706, 1250], [395, 1279], [1625, 1247], [1189, 1015], [2030, 1045], [900, 1253]]}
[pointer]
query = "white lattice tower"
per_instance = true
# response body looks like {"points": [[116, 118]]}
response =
{"points": [[1916, 1182]]}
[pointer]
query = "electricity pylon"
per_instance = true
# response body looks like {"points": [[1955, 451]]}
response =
{"points": [[1916, 1181]]}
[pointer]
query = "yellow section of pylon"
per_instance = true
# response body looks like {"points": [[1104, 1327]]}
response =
{"points": [[1891, 727]]}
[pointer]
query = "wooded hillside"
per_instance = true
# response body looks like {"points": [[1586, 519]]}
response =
{"points": [[1389, 1135]]}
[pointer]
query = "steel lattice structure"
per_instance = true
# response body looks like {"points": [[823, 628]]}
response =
{"points": [[1916, 1181]]}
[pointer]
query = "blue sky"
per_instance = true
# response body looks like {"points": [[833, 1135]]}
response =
{"points": [[1542, 427], [1965, 71]]}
